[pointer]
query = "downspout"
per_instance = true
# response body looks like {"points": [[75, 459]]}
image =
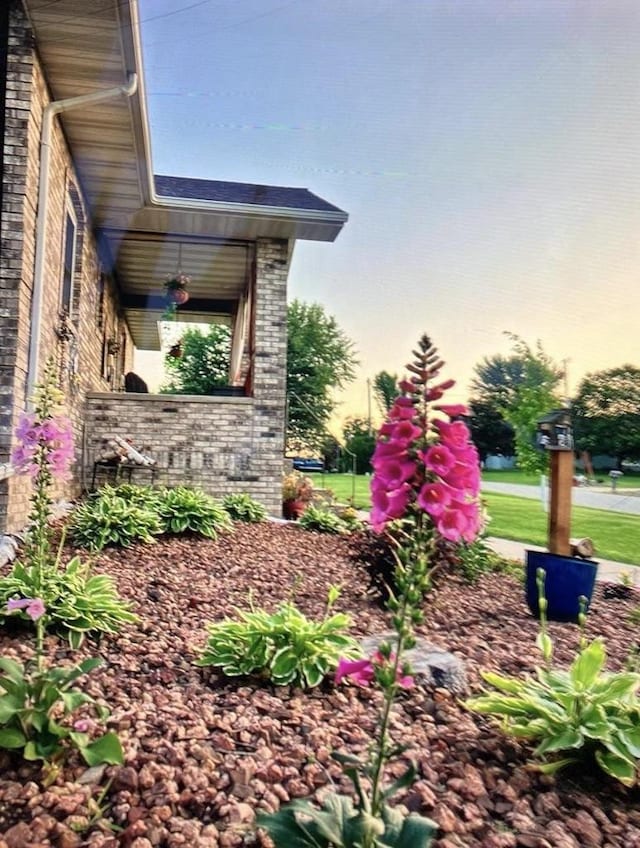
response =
{"points": [[50, 111]]}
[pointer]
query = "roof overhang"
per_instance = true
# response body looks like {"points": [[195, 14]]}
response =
{"points": [[91, 45]]}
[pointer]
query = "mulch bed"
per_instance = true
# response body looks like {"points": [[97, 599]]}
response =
{"points": [[204, 753]]}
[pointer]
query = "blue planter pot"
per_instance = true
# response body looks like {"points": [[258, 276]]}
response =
{"points": [[567, 578]]}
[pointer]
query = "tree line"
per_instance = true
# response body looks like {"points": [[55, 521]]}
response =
{"points": [[508, 394]]}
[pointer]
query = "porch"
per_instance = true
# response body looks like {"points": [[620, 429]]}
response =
{"points": [[220, 444]]}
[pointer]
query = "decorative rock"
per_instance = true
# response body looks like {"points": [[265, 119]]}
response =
{"points": [[432, 666]]}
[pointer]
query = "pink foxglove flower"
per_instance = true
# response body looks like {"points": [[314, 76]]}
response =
{"points": [[424, 466], [363, 672], [34, 607]]}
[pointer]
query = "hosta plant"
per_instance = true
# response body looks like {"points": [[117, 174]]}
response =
{"points": [[111, 520], [284, 646], [37, 703], [78, 602], [242, 507], [580, 714], [184, 510], [145, 497], [322, 520], [425, 487]]}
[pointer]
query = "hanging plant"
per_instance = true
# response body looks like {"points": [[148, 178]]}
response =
{"points": [[175, 351], [176, 288]]}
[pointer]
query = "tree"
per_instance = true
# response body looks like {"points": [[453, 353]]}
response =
{"points": [[385, 390], [202, 363], [359, 443], [516, 391], [320, 359], [606, 413], [491, 434]]}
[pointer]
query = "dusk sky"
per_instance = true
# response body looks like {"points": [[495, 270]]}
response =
{"points": [[487, 152]]}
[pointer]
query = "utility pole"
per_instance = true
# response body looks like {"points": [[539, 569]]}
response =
{"points": [[565, 375]]}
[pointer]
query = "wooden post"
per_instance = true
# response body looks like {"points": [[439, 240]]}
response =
{"points": [[560, 501]]}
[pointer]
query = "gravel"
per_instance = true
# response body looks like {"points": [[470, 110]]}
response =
{"points": [[205, 753]]}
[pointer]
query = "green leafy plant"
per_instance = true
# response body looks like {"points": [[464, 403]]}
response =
{"points": [[110, 520], [425, 487], [338, 823], [184, 510], [242, 507], [77, 601], [583, 713], [322, 520], [146, 497], [37, 703], [296, 487], [284, 647], [473, 559]]}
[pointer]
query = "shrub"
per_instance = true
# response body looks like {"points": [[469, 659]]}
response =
{"points": [[242, 507], [110, 520], [184, 510], [322, 520], [284, 647], [77, 601], [473, 559], [297, 487]]}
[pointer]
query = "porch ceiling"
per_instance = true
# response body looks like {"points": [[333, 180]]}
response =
{"points": [[219, 273]]}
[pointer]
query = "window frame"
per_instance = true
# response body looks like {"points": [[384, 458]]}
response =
{"points": [[67, 292]]}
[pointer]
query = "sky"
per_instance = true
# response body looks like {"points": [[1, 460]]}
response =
{"points": [[487, 152]]}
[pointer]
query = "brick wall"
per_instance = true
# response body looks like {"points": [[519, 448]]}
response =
{"points": [[219, 444], [80, 356]]}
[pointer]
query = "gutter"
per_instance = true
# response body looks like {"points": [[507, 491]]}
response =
{"points": [[50, 111], [130, 19]]}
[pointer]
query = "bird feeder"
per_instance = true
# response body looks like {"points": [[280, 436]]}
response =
{"points": [[555, 434]]}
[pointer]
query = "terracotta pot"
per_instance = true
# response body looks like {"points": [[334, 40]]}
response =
{"points": [[292, 510], [178, 296]]}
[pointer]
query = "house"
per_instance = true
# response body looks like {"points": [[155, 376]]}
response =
{"points": [[89, 235]]}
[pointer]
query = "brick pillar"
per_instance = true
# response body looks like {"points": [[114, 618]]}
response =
{"points": [[270, 362]]}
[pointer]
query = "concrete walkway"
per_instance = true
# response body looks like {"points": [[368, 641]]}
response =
{"points": [[624, 500], [607, 570]]}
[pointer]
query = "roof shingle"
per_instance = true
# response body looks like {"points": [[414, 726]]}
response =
{"points": [[188, 188]]}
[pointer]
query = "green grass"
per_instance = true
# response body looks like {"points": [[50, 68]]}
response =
{"points": [[615, 535], [342, 486], [631, 480]]}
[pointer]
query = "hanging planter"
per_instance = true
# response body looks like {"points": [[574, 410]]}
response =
{"points": [[175, 351], [176, 289]]}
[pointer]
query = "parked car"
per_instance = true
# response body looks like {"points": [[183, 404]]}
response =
{"points": [[301, 463]]}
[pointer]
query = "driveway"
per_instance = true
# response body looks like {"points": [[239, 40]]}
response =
{"points": [[627, 501]]}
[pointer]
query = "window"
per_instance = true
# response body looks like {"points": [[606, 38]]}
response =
{"points": [[69, 262]]}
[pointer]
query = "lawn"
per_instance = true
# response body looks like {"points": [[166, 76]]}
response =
{"points": [[630, 480], [616, 536]]}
